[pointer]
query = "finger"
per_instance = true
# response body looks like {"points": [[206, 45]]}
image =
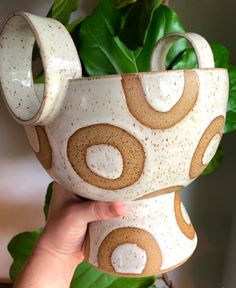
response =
{"points": [[60, 198], [96, 210]]}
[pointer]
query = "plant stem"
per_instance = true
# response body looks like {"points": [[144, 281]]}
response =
{"points": [[167, 281]]}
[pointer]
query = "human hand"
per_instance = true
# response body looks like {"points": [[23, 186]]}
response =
{"points": [[60, 248], [68, 217]]}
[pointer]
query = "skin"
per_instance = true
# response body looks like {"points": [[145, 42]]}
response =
{"points": [[61, 246]]}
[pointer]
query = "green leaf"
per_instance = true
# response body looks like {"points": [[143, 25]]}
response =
{"points": [[187, 60], [61, 10], [164, 21], [101, 50], [74, 25], [221, 55], [40, 79], [230, 124], [123, 3], [134, 31], [215, 162], [145, 282], [87, 276], [47, 200], [20, 248]]}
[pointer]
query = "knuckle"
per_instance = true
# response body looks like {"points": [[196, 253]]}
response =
{"points": [[98, 211]]}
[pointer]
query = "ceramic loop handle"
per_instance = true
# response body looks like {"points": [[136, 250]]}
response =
{"points": [[199, 44], [60, 62]]}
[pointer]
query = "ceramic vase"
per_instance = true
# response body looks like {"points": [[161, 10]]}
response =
{"points": [[139, 138]]}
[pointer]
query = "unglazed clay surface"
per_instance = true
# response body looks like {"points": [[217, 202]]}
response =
{"points": [[139, 137]]}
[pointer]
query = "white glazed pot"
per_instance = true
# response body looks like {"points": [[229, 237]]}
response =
{"points": [[126, 137]]}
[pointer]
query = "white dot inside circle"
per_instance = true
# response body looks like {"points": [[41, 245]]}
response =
{"points": [[129, 258], [105, 160]]}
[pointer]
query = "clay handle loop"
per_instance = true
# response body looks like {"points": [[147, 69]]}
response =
{"points": [[199, 44], [60, 62]]}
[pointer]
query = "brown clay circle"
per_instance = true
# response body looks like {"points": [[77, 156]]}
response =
{"points": [[160, 192], [86, 246], [130, 148], [145, 114], [186, 228], [133, 235], [215, 127], [45, 151]]}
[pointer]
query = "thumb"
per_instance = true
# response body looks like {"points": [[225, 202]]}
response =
{"points": [[97, 210]]}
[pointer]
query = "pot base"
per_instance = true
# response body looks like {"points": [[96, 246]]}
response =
{"points": [[155, 236]]}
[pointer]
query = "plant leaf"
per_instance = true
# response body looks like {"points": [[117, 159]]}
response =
{"points": [[164, 21], [145, 282], [230, 124], [47, 200], [74, 25], [61, 10], [215, 162], [123, 3], [134, 31], [20, 248], [187, 60], [101, 50], [221, 55], [87, 276]]}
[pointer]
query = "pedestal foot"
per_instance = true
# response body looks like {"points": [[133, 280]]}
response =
{"points": [[155, 236]]}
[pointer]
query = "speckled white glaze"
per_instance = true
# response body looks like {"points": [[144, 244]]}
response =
{"points": [[129, 258], [165, 156], [105, 103]]}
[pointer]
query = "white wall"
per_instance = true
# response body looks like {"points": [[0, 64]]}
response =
{"points": [[210, 201]]}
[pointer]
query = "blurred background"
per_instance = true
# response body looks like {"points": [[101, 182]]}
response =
{"points": [[210, 200]]}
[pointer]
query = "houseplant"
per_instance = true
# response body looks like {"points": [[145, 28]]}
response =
{"points": [[177, 59]]}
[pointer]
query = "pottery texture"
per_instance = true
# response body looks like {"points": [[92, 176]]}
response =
{"points": [[126, 137]]}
